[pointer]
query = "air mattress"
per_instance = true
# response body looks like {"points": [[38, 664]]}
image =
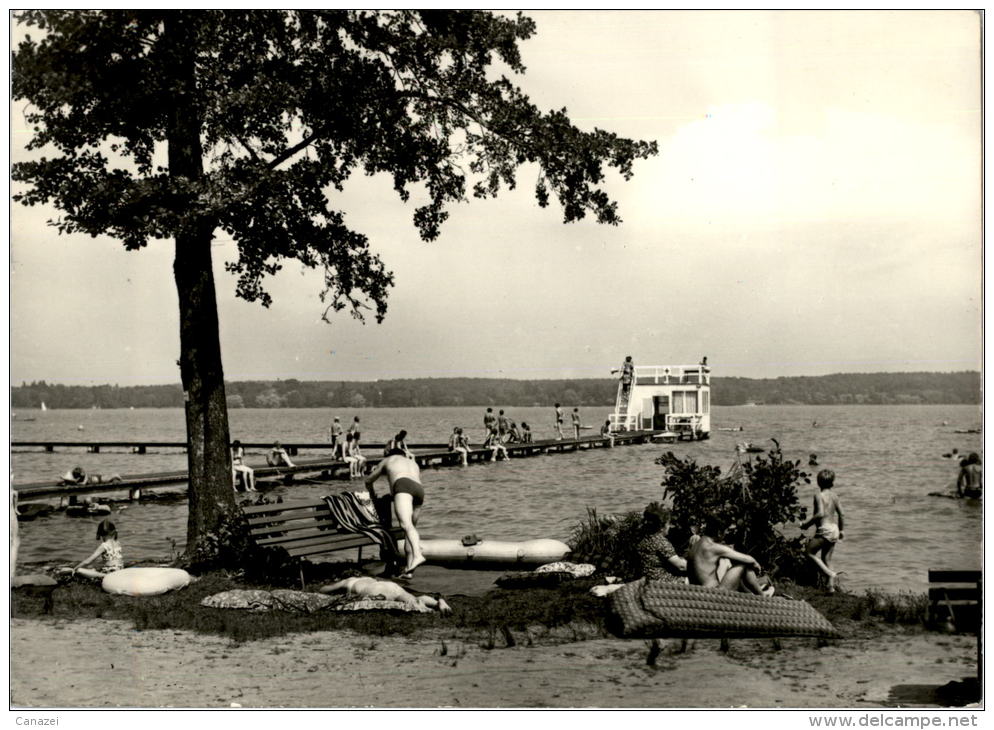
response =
{"points": [[145, 581], [495, 553], [652, 609]]}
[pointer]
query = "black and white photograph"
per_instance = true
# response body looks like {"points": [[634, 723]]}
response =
{"points": [[469, 359]]}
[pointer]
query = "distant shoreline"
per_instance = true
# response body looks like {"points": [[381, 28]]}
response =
{"points": [[961, 388]]}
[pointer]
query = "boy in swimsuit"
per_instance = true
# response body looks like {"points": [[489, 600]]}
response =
{"points": [[575, 417], [459, 443], [336, 434], [404, 477], [489, 419], [278, 456], [969, 483], [559, 423], [828, 516]]}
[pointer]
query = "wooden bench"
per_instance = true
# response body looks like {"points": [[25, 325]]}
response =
{"points": [[954, 597], [303, 530]]}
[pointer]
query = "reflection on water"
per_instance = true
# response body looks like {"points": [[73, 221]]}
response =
{"points": [[887, 459]]}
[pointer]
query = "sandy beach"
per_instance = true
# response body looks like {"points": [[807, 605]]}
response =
{"points": [[101, 663]]}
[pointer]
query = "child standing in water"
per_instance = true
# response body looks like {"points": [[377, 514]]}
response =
{"points": [[109, 548]]}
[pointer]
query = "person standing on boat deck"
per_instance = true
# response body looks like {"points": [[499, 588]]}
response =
{"points": [[502, 426], [489, 420], [559, 423], [969, 483], [336, 433], [278, 456], [408, 494], [238, 466], [829, 519], [575, 417]]}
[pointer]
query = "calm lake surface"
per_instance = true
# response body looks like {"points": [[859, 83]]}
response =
{"points": [[887, 459]]}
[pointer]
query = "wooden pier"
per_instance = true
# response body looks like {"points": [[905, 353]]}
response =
{"points": [[142, 447], [320, 469]]}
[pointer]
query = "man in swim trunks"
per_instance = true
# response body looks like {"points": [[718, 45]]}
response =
{"points": [[704, 556], [575, 416], [559, 423], [970, 480], [404, 477], [828, 516], [336, 434]]}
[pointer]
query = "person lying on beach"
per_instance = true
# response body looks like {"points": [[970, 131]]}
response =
{"points": [[829, 520], [367, 587], [79, 477], [278, 456], [404, 477], [703, 562], [109, 549]]}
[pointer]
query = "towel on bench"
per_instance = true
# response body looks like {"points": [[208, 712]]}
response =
{"points": [[354, 514]]}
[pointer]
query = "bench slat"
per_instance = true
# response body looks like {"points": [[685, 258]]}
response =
{"points": [[954, 576], [259, 509], [953, 594]]}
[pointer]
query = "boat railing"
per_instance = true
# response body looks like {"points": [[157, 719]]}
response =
{"points": [[672, 374], [623, 422], [683, 423]]}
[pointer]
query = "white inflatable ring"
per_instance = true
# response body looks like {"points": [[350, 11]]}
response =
{"points": [[145, 581]]}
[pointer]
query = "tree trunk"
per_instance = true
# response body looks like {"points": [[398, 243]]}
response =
{"points": [[208, 455]]}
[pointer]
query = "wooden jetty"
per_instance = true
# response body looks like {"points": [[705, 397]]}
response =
{"points": [[142, 447], [321, 469]]}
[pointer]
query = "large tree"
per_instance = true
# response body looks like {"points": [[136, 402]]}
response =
{"points": [[175, 124]]}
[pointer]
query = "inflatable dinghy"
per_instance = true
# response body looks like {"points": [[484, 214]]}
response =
{"points": [[495, 553], [145, 581]]}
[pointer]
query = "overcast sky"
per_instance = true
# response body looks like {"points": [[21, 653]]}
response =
{"points": [[814, 208]]}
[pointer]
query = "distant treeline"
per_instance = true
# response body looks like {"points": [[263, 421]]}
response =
{"points": [[846, 388]]}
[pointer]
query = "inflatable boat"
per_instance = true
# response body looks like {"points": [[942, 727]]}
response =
{"points": [[493, 553]]}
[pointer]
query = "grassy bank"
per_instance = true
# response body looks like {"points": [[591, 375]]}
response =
{"points": [[500, 617]]}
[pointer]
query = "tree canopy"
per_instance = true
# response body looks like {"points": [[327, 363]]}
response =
{"points": [[290, 105]]}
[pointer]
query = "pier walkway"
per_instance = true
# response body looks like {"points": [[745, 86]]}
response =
{"points": [[142, 447], [322, 469]]}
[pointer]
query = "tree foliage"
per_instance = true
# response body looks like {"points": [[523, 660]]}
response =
{"points": [[753, 502], [292, 104]]}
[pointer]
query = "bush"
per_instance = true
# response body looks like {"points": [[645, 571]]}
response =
{"points": [[609, 543], [752, 503]]}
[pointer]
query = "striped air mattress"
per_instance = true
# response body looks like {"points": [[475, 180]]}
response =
{"points": [[650, 609]]}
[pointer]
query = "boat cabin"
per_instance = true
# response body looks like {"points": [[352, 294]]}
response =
{"points": [[675, 399]]}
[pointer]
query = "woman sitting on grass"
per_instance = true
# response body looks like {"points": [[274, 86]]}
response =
{"points": [[109, 548], [658, 558]]}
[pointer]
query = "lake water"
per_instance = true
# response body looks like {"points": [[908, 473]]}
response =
{"points": [[887, 460]]}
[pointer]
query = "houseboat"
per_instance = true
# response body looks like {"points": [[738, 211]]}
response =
{"points": [[672, 399]]}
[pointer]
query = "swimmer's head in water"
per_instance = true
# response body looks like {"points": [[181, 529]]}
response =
{"points": [[106, 529], [973, 458], [826, 478]]}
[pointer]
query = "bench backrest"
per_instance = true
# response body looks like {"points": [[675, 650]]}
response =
{"points": [[301, 528], [955, 595]]}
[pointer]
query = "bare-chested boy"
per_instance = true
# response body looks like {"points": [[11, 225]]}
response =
{"points": [[404, 477], [829, 519]]}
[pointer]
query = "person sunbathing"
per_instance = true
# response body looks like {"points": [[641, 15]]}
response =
{"points": [[367, 587], [706, 554]]}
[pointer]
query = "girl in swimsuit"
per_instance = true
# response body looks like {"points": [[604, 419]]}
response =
{"points": [[109, 548]]}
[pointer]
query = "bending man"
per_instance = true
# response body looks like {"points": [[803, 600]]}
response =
{"points": [[404, 477]]}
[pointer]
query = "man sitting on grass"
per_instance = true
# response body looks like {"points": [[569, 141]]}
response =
{"points": [[706, 554]]}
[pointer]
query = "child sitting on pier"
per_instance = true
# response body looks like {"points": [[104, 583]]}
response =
{"points": [[109, 548], [278, 456], [459, 443], [359, 461], [526, 433]]}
